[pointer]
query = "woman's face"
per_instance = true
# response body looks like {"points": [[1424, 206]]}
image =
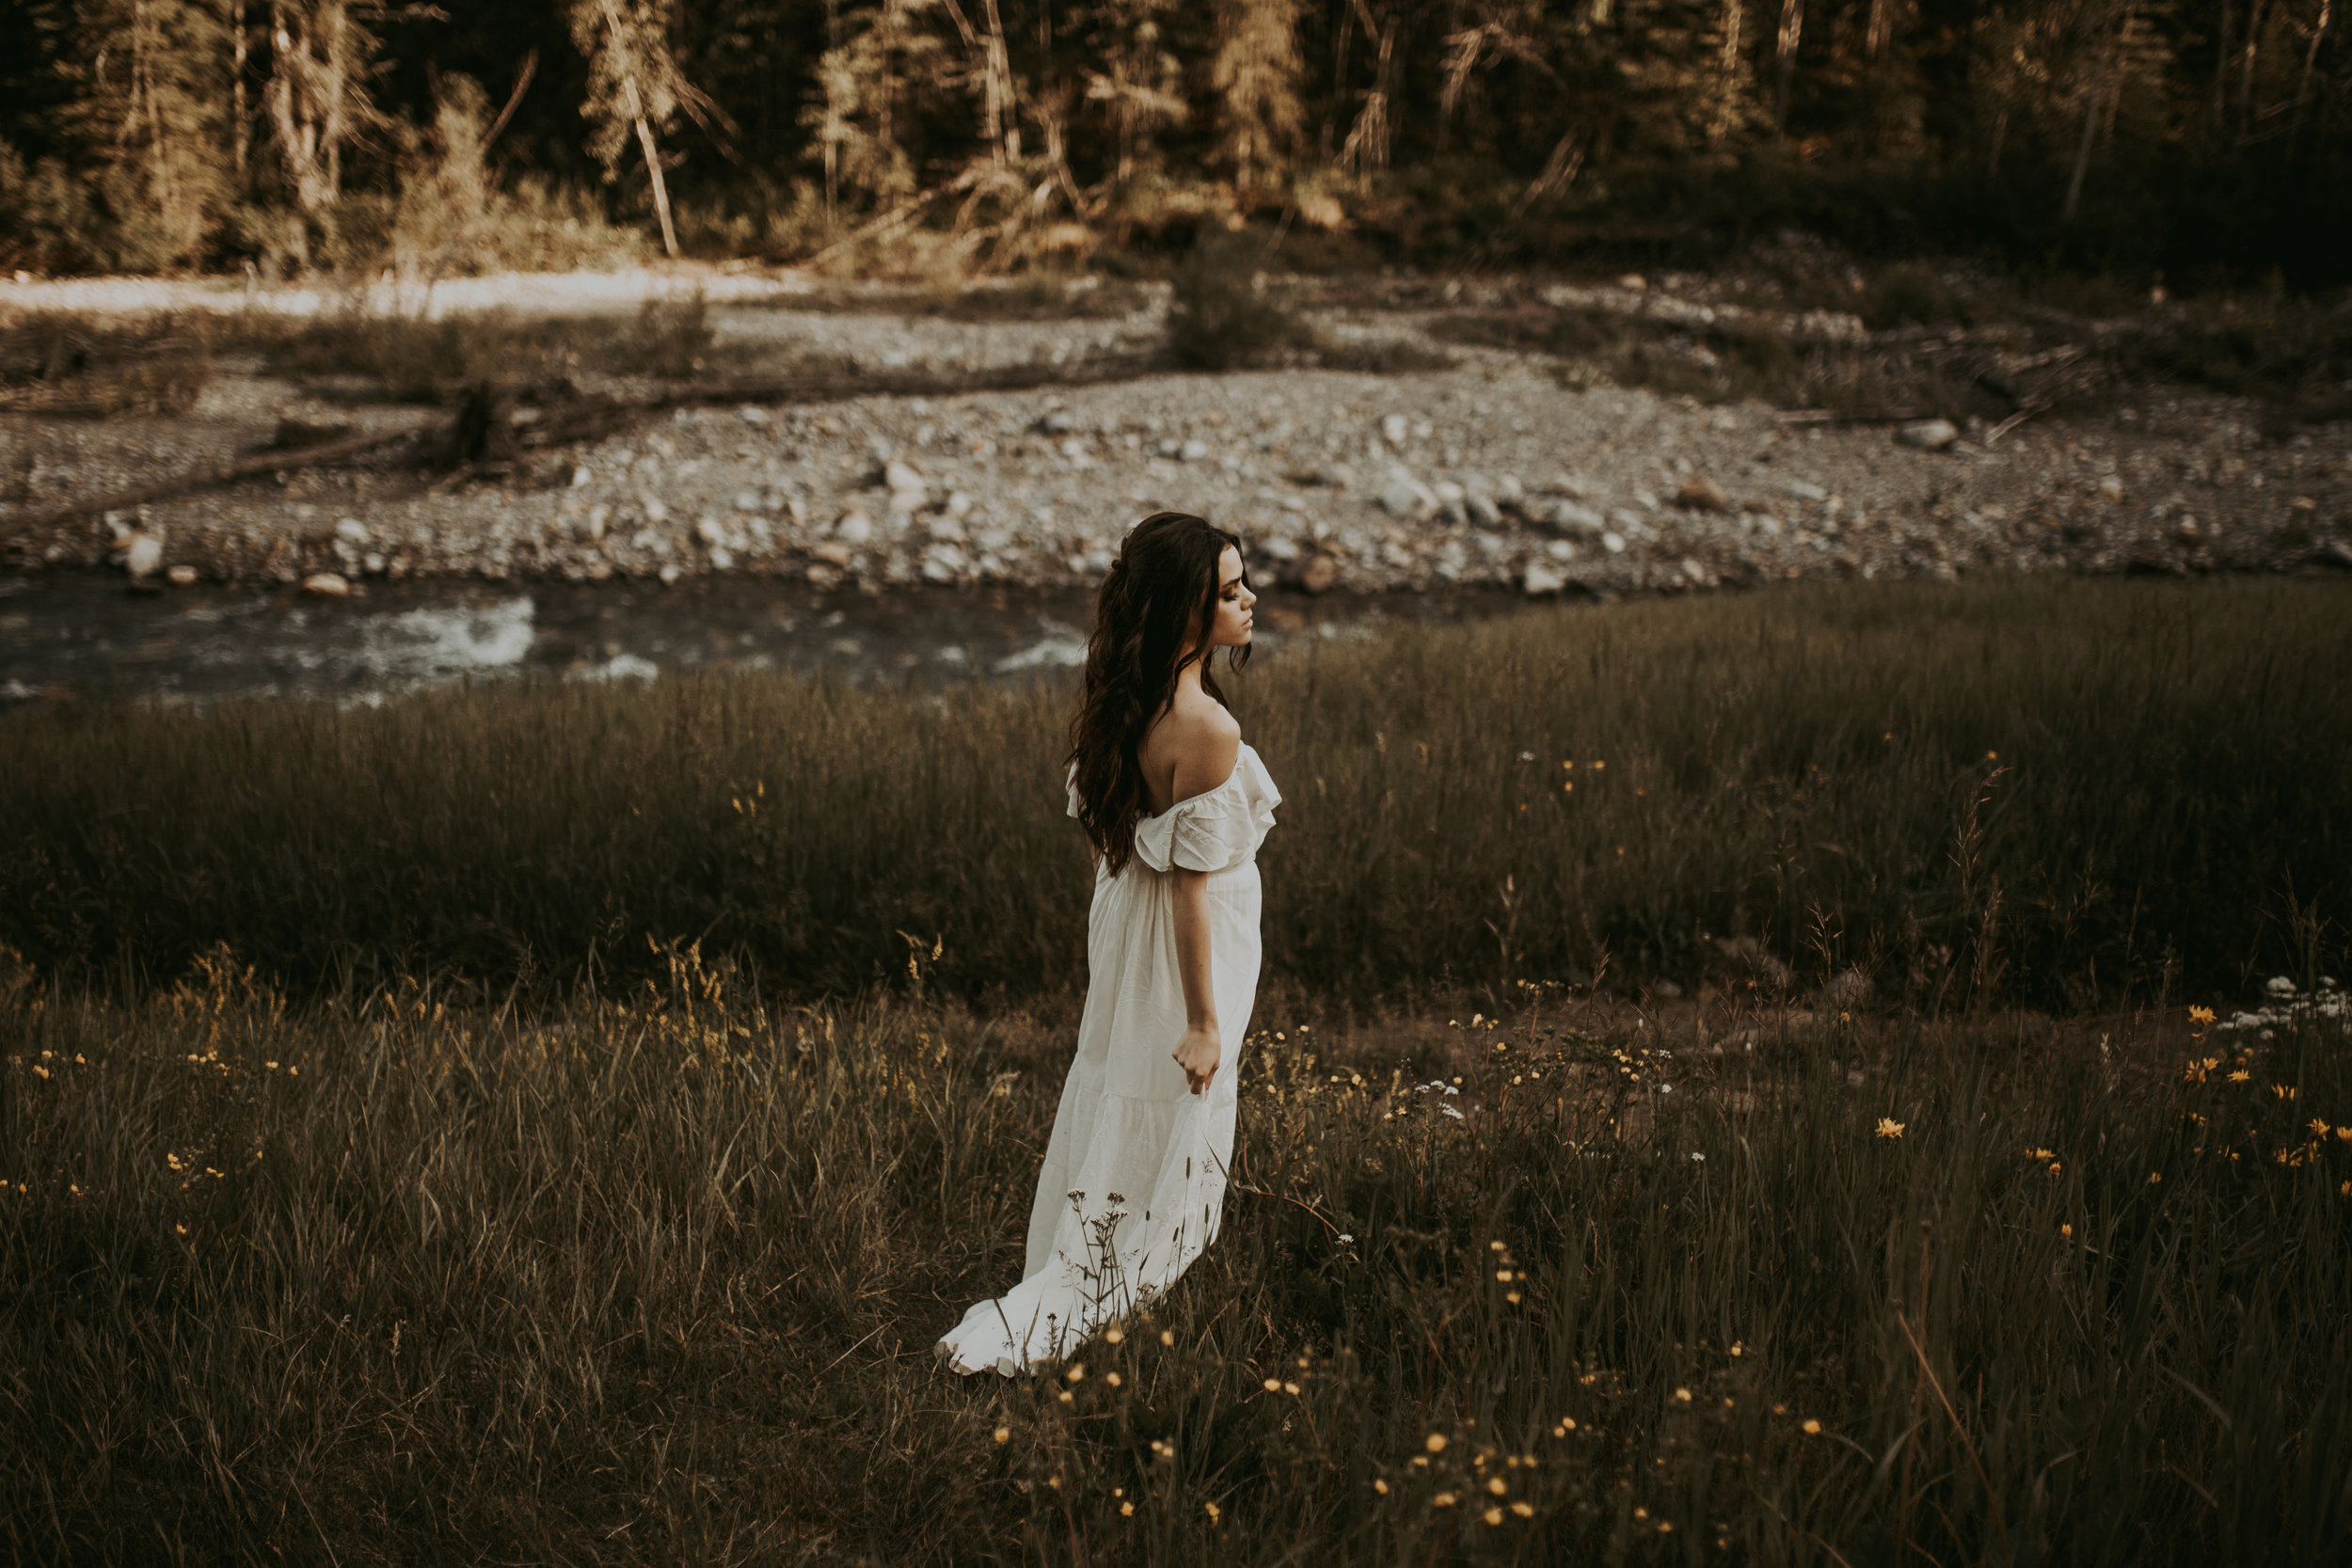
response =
{"points": [[1233, 601]]}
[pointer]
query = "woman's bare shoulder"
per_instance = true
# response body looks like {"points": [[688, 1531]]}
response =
{"points": [[1203, 740]]}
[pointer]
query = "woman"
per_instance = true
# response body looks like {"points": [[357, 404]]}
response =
{"points": [[1175, 807]]}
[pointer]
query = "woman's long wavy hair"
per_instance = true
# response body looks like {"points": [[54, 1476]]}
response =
{"points": [[1161, 588]]}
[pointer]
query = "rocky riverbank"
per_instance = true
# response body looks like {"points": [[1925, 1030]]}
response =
{"points": [[1499, 469]]}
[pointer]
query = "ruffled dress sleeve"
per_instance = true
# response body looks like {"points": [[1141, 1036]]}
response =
{"points": [[1216, 830]]}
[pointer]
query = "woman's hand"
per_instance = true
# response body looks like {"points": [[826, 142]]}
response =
{"points": [[1199, 1053]]}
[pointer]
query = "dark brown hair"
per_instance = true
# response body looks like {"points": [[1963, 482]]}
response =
{"points": [[1161, 588]]}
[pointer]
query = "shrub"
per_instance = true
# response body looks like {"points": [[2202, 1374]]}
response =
{"points": [[1219, 317]]}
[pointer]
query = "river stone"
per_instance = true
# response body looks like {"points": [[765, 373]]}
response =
{"points": [[1542, 576], [1929, 434], [182, 576], [328, 585], [1482, 509], [1702, 493], [351, 531], [1574, 517], [1614, 543], [142, 555], [1802, 490], [1392, 430], [1406, 497], [855, 528]]}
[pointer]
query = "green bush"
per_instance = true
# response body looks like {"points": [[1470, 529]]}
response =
{"points": [[1220, 319]]}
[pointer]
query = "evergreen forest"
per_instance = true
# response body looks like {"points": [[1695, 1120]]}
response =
{"points": [[2206, 141]]}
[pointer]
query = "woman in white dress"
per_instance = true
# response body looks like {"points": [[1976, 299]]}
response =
{"points": [[1175, 806]]}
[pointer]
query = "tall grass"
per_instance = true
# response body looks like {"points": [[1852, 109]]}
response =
{"points": [[405, 1275], [2040, 792]]}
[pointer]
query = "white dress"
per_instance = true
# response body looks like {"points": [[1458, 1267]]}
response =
{"points": [[1134, 1181]]}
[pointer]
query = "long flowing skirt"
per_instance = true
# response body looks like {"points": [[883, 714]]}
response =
{"points": [[1132, 1186]]}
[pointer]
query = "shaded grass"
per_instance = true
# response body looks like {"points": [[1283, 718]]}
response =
{"points": [[75, 363], [407, 1275], [1037, 296], [1955, 345], [2052, 791], [61, 362], [1729, 363], [426, 361]]}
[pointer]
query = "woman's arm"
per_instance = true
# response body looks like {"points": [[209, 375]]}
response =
{"points": [[1202, 1045], [1205, 756]]}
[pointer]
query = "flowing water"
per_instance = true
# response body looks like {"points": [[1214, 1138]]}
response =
{"points": [[74, 634]]}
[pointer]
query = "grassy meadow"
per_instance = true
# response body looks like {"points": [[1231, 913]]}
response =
{"points": [[2049, 792], [407, 1277], [539, 1123]]}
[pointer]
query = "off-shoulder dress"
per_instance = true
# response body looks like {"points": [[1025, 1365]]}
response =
{"points": [[1132, 1186]]}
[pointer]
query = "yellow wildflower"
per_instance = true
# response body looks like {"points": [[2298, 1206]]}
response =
{"points": [[1890, 1128], [2201, 1015]]}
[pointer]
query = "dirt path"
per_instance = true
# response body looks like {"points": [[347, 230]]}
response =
{"points": [[1490, 471]]}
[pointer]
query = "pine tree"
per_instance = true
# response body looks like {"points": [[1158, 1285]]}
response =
{"points": [[146, 119], [1256, 77], [889, 56], [1140, 82], [317, 102], [634, 84]]}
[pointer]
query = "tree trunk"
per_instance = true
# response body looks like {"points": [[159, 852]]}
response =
{"points": [[2245, 78], [2094, 97], [2222, 72], [1004, 120], [1791, 32], [2310, 59], [644, 136], [1881, 24], [653, 169], [241, 145]]}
